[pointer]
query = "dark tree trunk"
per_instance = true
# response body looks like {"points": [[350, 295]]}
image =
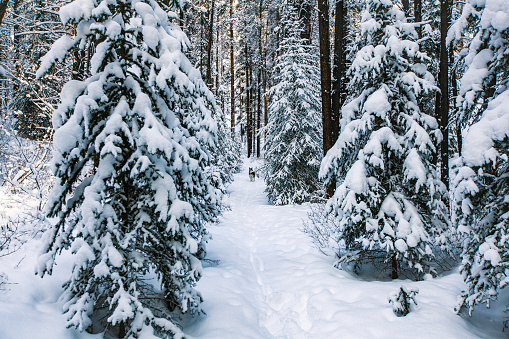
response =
{"points": [[3, 9], [232, 75], [444, 92], [406, 7], [259, 82], [248, 110], [253, 113], [418, 16], [210, 41], [181, 16], [219, 71], [437, 116], [394, 271], [339, 68], [305, 10], [265, 100], [258, 112], [325, 75]]}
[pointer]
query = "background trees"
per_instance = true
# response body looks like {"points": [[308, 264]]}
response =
{"points": [[293, 148]]}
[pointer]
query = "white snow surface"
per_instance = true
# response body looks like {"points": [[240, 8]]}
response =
{"points": [[265, 279]]}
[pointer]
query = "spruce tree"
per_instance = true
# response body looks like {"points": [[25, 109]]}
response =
{"points": [[293, 149], [388, 197], [132, 195], [481, 185]]}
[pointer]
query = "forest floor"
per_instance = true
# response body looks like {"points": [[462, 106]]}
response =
{"points": [[270, 281], [263, 278]]}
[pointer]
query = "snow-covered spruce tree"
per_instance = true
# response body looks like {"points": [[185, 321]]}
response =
{"points": [[141, 121], [481, 185], [293, 148], [226, 155], [388, 197]]}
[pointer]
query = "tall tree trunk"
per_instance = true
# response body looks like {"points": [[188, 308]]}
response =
{"points": [[444, 92], [248, 110], [406, 7], [3, 9], [418, 16], [218, 70], [210, 42], [394, 270], [181, 15], [259, 81], [325, 75], [232, 75], [265, 100], [305, 9], [253, 112], [437, 116], [258, 112], [339, 68]]}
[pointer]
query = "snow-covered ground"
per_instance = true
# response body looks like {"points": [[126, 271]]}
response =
{"points": [[263, 279], [271, 282]]}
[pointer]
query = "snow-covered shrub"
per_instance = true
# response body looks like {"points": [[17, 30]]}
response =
{"points": [[481, 184], [323, 228], [143, 119], [294, 144], [3, 280], [24, 167], [402, 300], [10, 237], [389, 198]]}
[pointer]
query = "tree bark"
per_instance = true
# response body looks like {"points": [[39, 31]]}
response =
{"points": [[418, 16], [339, 68], [210, 42], [394, 270], [305, 10], [232, 75], [325, 74], [248, 110], [258, 113], [444, 92], [259, 81], [406, 7], [3, 9]]}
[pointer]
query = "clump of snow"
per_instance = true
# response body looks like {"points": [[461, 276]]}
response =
{"points": [[494, 125], [378, 103], [58, 52]]}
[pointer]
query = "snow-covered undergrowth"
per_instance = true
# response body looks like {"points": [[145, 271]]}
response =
{"points": [[263, 278]]}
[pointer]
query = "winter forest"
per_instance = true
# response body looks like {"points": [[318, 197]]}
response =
{"points": [[254, 169]]}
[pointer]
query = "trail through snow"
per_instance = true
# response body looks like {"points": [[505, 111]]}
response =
{"points": [[271, 282], [264, 279]]}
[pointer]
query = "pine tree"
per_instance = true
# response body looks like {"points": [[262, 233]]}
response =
{"points": [[132, 195], [389, 197], [481, 185], [226, 155], [293, 149]]}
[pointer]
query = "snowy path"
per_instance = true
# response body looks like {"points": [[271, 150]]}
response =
{"points": [[270, 282]]}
